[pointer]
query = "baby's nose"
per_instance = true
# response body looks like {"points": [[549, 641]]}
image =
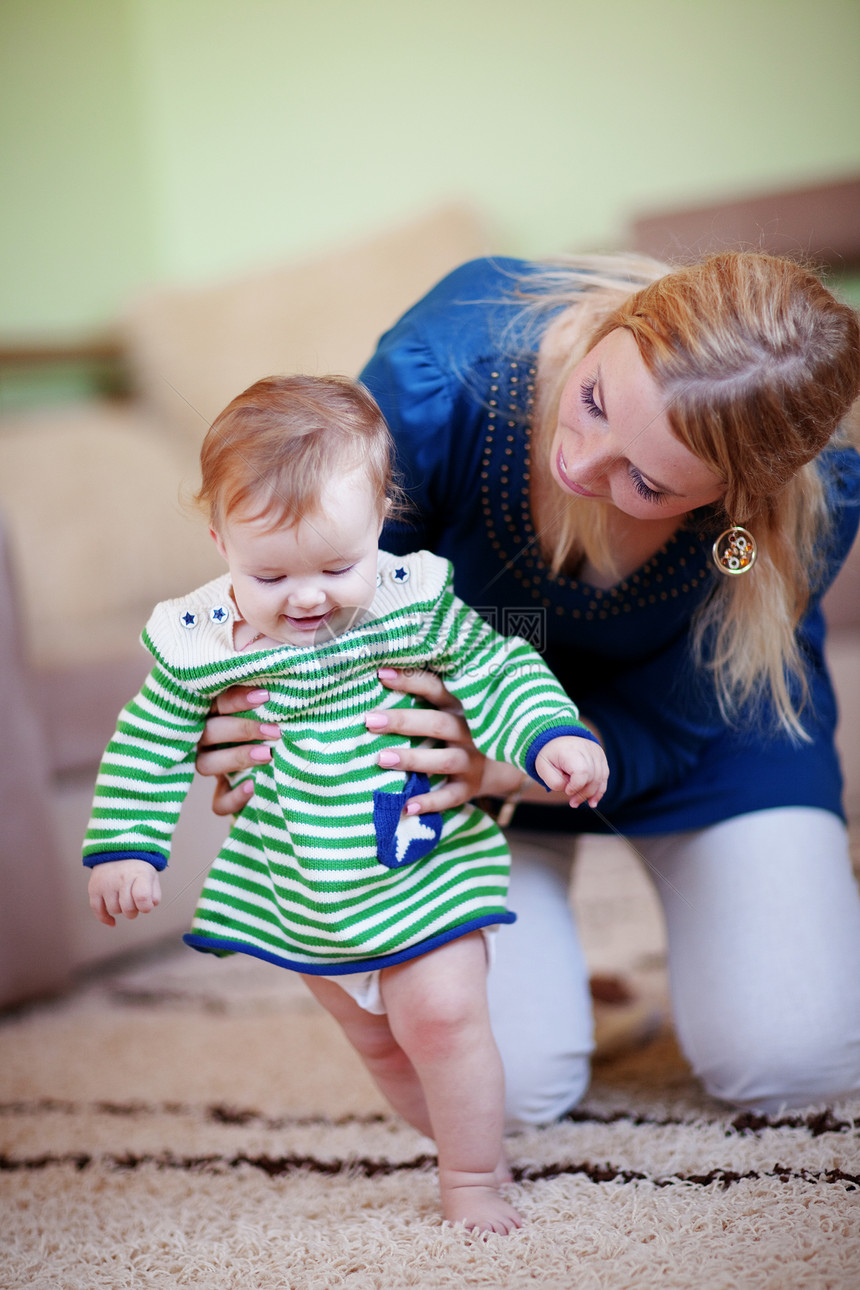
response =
{"points": [[306, 595]]}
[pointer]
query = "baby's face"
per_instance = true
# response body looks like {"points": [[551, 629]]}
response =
{"points": [[302, 584]]}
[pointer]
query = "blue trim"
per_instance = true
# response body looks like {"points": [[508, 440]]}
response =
{"points": [[155, 858], [211, 945], [580, 732]]}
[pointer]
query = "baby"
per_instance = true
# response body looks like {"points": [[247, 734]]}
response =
{"points": [[331, 870]]}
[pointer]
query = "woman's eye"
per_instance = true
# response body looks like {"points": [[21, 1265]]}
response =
{"points": [[586, 391], [643, 489]]}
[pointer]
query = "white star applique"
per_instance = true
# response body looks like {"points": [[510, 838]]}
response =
{"points": [[409, 828]]}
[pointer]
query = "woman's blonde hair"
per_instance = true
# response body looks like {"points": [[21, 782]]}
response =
{"points": [[760, 365], [274, 447]]}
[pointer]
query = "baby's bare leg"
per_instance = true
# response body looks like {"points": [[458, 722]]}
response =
{"points": [[371, 1037], [437, 1008]]}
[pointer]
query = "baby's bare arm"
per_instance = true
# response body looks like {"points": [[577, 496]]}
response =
{"points": [[576, 766], [123, 887]]}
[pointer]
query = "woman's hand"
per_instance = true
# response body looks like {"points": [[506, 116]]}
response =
{"points": [[230, 743], [468, 772]]}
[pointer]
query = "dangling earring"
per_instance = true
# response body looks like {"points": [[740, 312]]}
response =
{"points": [[734, 551]]}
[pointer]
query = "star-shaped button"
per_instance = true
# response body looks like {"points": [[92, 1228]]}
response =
{"points": [[188, 619], [400, 574], [219, 614]]}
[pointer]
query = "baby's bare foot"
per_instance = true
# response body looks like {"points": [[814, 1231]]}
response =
{"points": [[479, 1209]]}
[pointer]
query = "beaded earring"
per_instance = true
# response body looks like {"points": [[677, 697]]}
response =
{"points": [[734, 551]]}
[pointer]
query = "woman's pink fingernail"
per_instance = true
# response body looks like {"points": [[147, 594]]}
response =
{"points": [[389, 759], [257, 696], [260, 753], [412, 808], [247, 787], [387, 674], [270, 731], [376, 721]]}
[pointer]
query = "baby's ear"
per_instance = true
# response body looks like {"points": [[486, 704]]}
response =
{"points": [[386, 507], [216, 538]]}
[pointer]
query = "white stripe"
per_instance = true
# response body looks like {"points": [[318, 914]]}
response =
{"points": [[454, 869], [128, 759], [396, 934]]}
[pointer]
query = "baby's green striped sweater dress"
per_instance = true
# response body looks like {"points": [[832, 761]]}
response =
{"points": [[321, 872]]}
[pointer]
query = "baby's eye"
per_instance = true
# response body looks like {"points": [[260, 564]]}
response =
{"points": [[266, 581], [337, 573]]}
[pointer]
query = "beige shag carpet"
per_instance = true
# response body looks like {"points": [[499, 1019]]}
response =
{"points": [[188, 1122]]}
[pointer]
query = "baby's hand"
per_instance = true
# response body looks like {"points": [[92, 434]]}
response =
{"points": [[576, 766], [127, 887]]}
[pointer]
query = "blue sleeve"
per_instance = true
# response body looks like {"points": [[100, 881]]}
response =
{"points": [[417, 399], [842, 481], [428, 375]]}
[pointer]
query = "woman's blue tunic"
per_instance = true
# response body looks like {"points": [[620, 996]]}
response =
{"points": [[455, 382]]}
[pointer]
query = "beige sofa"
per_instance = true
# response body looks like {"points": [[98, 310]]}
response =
{"points": [[94, 532]]}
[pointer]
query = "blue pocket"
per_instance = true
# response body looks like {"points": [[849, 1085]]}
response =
{"points": [[403, 839]]}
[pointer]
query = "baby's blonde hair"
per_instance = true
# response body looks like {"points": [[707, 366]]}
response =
{"points": [[760, 366], [271, 451]]}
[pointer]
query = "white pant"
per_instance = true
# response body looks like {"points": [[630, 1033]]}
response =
{"points": [[763, 924]]}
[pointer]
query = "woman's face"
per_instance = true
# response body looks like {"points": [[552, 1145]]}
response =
{"points": [[613, 440]]}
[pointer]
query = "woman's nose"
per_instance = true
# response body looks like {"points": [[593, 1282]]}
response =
{"points": [[592, 464]]}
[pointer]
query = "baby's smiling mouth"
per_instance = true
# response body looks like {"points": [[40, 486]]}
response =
{"points": [[306, 622]]}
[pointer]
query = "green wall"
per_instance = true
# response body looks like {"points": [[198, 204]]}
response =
{"points": [[185, 139], [76, 216]]}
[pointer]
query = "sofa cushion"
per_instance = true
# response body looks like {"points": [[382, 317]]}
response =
{"points": [[97, 527], [192, 349]]}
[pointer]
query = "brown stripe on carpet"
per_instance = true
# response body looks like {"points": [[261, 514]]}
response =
{"points": [[278, 1167], [333, 1144], [816, 1123]]}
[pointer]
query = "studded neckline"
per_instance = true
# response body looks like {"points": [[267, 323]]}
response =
{"points": [[677, 570]]}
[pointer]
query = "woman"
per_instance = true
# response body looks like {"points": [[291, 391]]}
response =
{"points": [[643, 470]]}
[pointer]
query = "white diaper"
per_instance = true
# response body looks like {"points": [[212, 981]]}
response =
{"points": [[364, 986]]}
